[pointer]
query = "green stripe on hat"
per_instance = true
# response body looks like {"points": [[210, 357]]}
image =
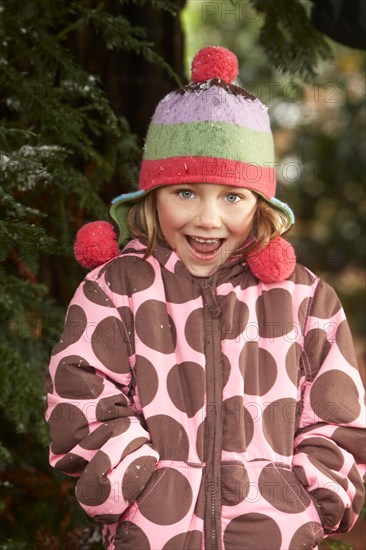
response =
{"points": [[209, 139]]}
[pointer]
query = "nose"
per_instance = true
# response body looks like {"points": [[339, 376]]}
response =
{"points": [[207, 215]]}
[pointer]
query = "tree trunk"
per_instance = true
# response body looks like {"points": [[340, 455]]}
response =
{"points": [[133, 85]]}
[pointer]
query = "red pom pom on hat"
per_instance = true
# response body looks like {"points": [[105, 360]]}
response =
{"points": [[275, 263], [214, 62], [95, 244]]}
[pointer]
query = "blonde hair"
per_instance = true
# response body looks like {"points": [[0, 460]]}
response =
{"points": [[268, 223], [142, 221]]}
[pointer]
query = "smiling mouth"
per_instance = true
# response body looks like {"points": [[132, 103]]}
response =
{"points": [[205, 247]]}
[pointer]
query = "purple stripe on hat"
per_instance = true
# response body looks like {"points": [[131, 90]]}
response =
{"points": [[213, 104]]}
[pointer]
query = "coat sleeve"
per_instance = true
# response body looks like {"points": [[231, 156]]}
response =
{"points": [[96, 433], [330, 442]]}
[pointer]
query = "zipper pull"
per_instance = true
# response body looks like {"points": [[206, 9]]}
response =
{"points": [[209, 297]]}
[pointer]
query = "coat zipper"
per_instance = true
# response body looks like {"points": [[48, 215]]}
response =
{"points": [[212, 333], [213, 514]]}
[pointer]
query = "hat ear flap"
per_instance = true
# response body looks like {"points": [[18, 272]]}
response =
{"points": [[274, 263], [118, 212], [95, 244]]}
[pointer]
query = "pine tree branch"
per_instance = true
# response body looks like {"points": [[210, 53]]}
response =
{"points": [[292, 43]]}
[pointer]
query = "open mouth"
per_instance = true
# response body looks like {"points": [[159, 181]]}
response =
{"points": [[205, 248]]}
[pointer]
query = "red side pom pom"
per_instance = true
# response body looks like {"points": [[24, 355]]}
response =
{"points": [[95, 243], [275, 263], [214, 62]]}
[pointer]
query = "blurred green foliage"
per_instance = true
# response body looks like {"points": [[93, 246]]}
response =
{"points": [[55, 118]]}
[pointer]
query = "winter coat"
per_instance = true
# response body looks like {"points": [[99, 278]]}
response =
{"points": [[207, 413]]}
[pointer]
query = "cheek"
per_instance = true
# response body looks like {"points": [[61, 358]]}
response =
{"points": [[172, 216], [169, 222], [162, 212], [166, 221], [246, 218], [242, 226]]}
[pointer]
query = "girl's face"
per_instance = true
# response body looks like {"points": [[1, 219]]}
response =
{"points": [[205, 223]]}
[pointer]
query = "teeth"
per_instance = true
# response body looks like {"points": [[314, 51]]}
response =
{"points": [[204, 241]]}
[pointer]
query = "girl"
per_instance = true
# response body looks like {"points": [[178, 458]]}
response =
{"points": [[205, 390]]}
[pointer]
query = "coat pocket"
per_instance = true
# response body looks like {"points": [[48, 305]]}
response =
{"points": [[265, 506], [163, 515]]}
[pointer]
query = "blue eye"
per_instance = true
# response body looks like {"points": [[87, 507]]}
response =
{"points": [[232, 197], [185, 194]]}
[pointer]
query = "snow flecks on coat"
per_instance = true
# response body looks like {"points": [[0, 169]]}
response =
{"points": [[217, 413]]}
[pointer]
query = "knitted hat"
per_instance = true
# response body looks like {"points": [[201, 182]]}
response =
{"points": [[211, 131]]}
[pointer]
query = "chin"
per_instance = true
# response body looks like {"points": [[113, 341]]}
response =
{"points": [[202, 271]]}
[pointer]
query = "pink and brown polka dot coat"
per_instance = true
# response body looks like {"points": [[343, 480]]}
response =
{"points": [[219, 413]]}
